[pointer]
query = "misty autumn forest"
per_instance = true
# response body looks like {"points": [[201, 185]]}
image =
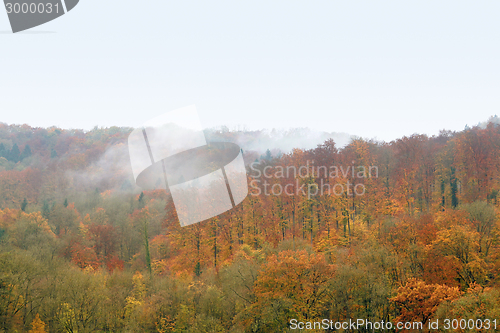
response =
{"points": [[82, 249]]}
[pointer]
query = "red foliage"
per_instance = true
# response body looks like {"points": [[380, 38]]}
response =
{"points": [[114, 263]]}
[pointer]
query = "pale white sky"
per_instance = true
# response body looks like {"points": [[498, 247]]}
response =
{"points": [[379, 69]]}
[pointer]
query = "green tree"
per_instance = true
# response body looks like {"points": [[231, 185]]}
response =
{"points": [[24, 204], [268, 155], [26, 152], [477, 302], [197, 269], [141, 219], [14, 153], [82, 295], [141, 200], [483, 217], [3, 151], [45, 209]]}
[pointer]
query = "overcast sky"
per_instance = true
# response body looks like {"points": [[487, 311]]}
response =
{"points": [[377, 69]]}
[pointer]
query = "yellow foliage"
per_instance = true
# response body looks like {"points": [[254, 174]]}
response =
{"points": [[37, 325], [37, 219]]}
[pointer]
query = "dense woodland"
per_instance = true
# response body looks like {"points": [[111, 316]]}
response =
{"points": [[82, 249]]}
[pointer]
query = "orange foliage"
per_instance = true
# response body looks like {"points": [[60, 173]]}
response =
{"points": [[297, 278], [418, 301], [37, 326], [7, 217]]}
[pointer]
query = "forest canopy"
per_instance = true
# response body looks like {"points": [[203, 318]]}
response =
{"points": [[82, 249]]}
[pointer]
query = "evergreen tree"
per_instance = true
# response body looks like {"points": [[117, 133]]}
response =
{"points": [[141, 200], [14, 153], [197, 269], [3, 151], [45, 209], [26, 152], [146, 245], [65, 203], [268, 156], [53, 153], [24, 204], [454, 189]]}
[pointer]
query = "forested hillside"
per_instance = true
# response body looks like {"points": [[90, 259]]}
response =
{"points": [[82, 249]]}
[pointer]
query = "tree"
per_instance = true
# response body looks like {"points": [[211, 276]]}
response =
{"points": [[26, 152], [3, 152], [292, 284], [80, 303], [197, 269], [136, 299], [477, 302], [104, 241], [45, 209], [483, 218], [461, 245], [141, 219], [141, 200], [24, 204], [37, 326], [14, 153], [21, 289], [419, 301]]}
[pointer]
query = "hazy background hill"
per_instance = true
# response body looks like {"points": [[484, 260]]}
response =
{"points": [[51, 163], [47, 164]]}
